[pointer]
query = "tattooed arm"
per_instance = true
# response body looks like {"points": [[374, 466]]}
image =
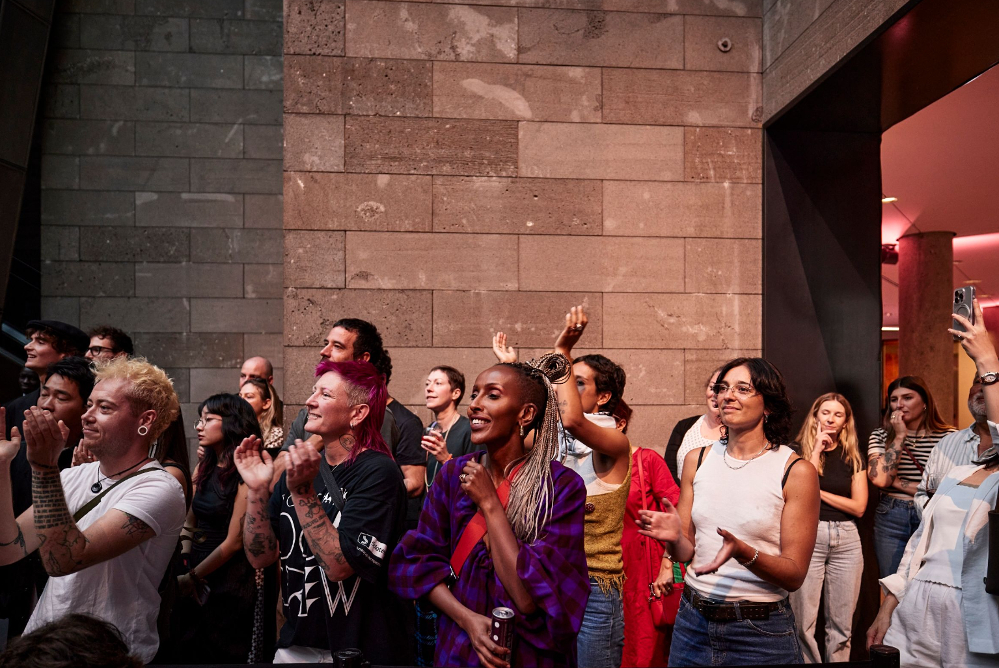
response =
{"points": [[882, 468], [15, 544], [319, 532], [257, 470], [64, 548]]}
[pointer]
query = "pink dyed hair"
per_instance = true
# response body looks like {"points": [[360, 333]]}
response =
{"points": [[365, 385]]}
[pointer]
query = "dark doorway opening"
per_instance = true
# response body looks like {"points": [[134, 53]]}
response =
{"points": [[822, 212]]}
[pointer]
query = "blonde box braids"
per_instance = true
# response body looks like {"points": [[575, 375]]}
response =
{"points": [[531, 490]]}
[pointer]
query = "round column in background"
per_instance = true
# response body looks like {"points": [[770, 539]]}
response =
{"points": [[925, 292]]}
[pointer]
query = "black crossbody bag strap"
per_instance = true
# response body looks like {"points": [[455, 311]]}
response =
{"points": [[331, 485], [90, 505]]}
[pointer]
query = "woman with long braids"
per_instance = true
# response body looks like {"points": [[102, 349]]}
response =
{"points": [[746, 522], [503, 528], [219, 627]]}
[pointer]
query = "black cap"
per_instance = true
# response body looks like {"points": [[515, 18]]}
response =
{"points": [[76, 336]]}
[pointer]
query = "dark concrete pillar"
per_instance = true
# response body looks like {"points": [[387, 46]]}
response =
{"points": [[926, 282]]}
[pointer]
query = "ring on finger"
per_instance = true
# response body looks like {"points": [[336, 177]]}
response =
{"points": [[462, 477]]}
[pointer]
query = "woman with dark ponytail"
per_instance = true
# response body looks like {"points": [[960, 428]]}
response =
{"points": [[593, 447], [508, 522], [221, 618]]}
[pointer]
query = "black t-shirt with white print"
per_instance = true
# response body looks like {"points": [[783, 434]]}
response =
{"points": [[358, 612]]}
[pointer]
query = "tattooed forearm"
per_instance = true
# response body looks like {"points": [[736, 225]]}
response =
{"points": [[321, 535], [62, 542], [258, 535]]}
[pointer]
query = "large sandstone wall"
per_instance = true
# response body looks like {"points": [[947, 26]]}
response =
{"points": [[452, 169], [161, 178]]}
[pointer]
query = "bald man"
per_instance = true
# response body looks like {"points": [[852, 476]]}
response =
{"points": [[256, 367]]}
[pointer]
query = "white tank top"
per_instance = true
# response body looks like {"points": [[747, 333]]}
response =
{"points": [[747, 502]]}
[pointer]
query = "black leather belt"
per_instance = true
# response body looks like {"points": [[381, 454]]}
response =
{"points": [[719, 611]]}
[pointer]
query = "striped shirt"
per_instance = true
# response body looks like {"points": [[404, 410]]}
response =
{"points": [[957, 448], [920, 447]]}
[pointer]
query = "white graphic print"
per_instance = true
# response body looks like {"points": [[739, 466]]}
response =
{"points": [[302, 592]]}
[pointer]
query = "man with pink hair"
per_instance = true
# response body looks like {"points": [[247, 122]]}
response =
{"points": [[333, 520]]}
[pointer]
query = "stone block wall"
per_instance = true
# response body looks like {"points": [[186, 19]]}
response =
{"points": [[161, 178], [805, 39], [457, 168]]}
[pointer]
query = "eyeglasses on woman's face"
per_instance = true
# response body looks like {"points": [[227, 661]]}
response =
{"points": [[742, 390], [203, 422]]}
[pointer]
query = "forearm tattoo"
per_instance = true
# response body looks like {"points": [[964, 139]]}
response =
{"points": [[258, 535], [62, 544], [320, 534], [889, 462]]}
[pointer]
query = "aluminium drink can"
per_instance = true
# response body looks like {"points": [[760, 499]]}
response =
{"points": [[502, 630]]}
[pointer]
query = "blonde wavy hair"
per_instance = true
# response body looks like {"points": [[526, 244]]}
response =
{"points": [[847, 439], [147, 387]]}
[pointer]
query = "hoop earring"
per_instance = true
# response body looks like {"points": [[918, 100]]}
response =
{"points": [[143, 430], [352, 426]]}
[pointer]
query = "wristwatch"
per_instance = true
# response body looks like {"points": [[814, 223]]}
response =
{"points": [[988, 378]]}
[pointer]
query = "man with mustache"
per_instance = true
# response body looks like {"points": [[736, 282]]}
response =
{"points": [[957, 448]]}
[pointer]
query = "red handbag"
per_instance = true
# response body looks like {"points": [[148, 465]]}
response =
{"points": [[663, 608]]}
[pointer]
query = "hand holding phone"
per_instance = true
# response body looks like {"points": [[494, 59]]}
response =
{"points": [[964, 300]]}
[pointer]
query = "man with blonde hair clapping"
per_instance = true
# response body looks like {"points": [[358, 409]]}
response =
{"points": [[105, 530]]}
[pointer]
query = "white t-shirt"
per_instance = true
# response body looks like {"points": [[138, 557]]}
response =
{"points": [[123, 590], [691, 441]]}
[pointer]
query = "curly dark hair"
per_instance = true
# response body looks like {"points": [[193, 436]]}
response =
{"points": [[609, 377], [769, 382], [238, 422], [72, 641], [122, 342]]}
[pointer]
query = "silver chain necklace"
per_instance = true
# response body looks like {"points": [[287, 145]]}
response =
{"points": [[766, 444]]}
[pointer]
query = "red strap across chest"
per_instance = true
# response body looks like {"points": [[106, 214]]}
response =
{"points": [[476, 529]]}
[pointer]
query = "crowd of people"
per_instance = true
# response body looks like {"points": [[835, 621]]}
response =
{"points": [[361, 528]]}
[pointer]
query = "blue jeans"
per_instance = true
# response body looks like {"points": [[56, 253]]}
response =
{"points": [[601, 637], [742, 642], [895, 520]]}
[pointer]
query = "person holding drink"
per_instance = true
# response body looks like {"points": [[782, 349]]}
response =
{"points": [[449, 435], [503, 528]]}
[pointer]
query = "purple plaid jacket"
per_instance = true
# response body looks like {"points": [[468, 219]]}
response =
{"points": [[553, 570]]}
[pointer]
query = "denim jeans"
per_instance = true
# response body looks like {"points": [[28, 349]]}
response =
{"points": [[895, 520], [742, 642], [834, 575], [601, 637]]}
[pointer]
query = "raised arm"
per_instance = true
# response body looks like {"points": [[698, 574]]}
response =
{"points": [[18, 538], [976, 342], [610, 442], [256, 468]]}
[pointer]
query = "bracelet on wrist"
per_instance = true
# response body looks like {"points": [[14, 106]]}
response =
{"points": [[756, 555]]}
